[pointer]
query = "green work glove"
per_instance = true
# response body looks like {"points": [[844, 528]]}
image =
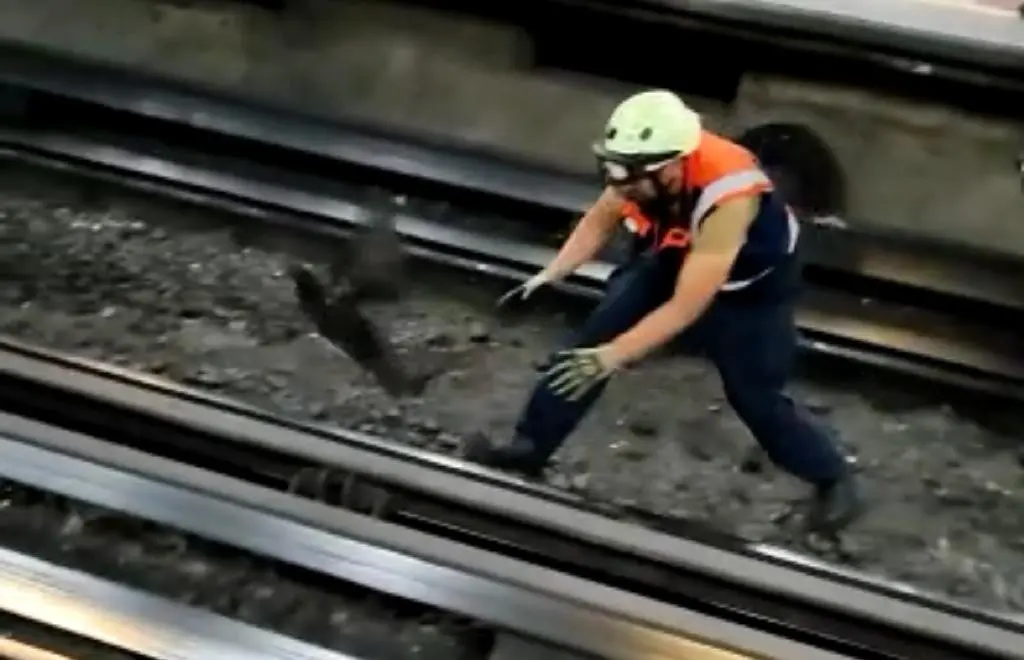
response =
{"points": [[576, 372]]}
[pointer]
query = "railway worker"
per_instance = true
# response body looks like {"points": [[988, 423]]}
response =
{"points": [[715, 269]]}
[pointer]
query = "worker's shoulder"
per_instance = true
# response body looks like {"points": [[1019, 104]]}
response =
{"points": [[718, 156]]}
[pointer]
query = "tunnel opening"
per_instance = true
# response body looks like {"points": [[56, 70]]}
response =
{"points": [[802, 165]]}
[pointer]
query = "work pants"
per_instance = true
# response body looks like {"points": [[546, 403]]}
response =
{"points": [[750, 337]]}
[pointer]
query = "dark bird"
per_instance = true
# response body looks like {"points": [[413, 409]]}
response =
{"points": [[339, 320], [372, 265], [371, 268]]}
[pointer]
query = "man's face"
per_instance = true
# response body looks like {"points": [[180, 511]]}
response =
{"points": [[669, 178]]}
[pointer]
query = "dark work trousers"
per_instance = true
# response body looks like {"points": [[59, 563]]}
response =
{"points": [[750, 338]]}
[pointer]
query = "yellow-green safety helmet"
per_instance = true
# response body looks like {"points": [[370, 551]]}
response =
{"points": [[646, 131]]}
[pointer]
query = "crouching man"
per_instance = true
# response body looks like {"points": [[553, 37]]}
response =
{"points": [[717, 270]]}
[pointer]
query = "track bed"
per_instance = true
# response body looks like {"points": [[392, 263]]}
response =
{"points": [[232, 583], [131, 280]]}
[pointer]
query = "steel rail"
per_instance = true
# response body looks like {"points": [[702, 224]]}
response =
{"points": [[914, 264], [509, 537], [25, 639], [754, 567], [930, 346], [509, 594], [12, 649], [132, 620]]}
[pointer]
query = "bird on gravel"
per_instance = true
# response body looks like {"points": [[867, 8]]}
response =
{"points": [[372, 265], [369, 270]]}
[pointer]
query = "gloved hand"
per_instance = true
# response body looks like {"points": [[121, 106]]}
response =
{"points": [[520, 292], [574, 373]]}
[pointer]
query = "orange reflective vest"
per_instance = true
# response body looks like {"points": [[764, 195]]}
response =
{"points": [[719, 170]]}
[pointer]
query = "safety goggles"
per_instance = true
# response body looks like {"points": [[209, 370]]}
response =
{"points": [[624, 169]]}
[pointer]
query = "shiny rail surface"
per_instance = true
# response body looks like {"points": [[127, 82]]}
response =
{"points": [[12, 649], [842, 592], [132, 620], [532, 601]]}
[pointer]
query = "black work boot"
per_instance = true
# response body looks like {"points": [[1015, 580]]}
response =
{"points": [[836, 505], [518, 456]]}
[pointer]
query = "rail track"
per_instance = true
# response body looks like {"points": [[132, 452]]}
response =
{"points": [[68, 563], [535, 560], [419, 500], [382, 557], [52, 613]]}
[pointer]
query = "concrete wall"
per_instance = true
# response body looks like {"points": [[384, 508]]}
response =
{"points": [[913, 167], [917, 168]]}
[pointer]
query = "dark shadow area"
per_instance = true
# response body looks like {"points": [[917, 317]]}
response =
{"points": [[708, 58]]}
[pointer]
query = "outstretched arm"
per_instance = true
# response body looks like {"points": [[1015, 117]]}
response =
{"points": [[589, 236]]}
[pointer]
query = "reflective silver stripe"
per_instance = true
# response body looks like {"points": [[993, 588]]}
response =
{"points": [[631, 225], [794, 230], [793, 226], [721, 187], [740, 284]]}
